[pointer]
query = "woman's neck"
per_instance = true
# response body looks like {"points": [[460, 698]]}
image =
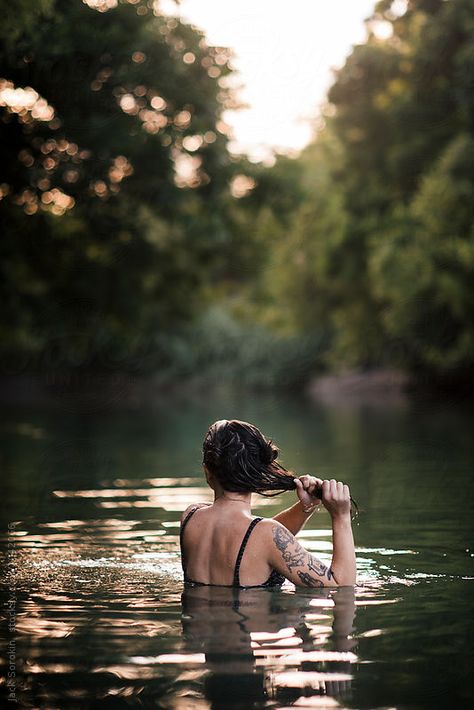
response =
{"points": [[233, 499]]}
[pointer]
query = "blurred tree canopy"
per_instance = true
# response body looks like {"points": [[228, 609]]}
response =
{"points": [[378, 255], [125, 220], [112, 147]]}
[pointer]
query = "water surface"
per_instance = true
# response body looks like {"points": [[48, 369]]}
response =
{"points": [[91, 504]]}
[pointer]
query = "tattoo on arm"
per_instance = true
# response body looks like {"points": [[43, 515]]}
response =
{"points": [[282, 537], [296, 556], [310, 581], [321, 569]]}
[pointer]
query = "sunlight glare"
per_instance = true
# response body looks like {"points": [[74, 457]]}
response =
{"points": [[284, 54]]}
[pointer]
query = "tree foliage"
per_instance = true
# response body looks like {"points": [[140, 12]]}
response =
{"points": [[379, 252], [118, 224], [112, 146]]}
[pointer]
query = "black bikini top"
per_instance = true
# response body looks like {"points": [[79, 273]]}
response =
{"points": [[274, 579]]}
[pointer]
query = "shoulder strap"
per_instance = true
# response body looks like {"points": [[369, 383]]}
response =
{"points": [[181, 533], [189, 515], [236, 582]]}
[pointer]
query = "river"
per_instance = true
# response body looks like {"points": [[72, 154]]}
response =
{"points": [[93, 607]]}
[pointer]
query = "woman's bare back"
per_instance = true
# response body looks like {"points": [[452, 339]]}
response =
{"points": [[211, 545]]}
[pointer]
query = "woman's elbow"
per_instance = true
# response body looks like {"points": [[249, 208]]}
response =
{"points": [[342, 579]]}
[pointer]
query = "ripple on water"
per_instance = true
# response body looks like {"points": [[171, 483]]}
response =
{"points": [[101, 612]]}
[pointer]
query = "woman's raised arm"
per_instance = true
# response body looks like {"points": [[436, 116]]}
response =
{"points": [[288, 557], [295, 517]]}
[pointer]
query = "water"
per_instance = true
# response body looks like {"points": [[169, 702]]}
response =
{"points": [[91, 503]]}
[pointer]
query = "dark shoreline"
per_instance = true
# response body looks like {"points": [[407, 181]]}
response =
{"points": [[93, 391]]}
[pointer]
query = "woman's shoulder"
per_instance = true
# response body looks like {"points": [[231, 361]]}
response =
{"points": [[268, 524], [273, 532], [192, 508]]}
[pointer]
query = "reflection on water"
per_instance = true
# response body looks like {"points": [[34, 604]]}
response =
{"points": [[259, 645], [91, 545]]}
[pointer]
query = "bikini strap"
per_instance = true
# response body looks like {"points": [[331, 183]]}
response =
{"points": [[191, 512], [236, 582], [181, 533]]}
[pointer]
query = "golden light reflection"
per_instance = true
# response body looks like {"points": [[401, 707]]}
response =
{"points": [[311, 679], [317, 617], [153, 121], [121, 168], [265, 655], [128, 104], [55, 201], [128, 671], [159, 482], [297, 657], [158, 102], [58, 201], [131, 492], [25, 102], [371, 633], [168, 499], [322, 603], [135, 104], [98, 524], [169, 504], [138, 57], [49, 667], [78, 535], [241, 186], [182, 119], [381, 29], [267, 636], [187, 170], [101, 5], [48, 156], [99, 188], [285, 642], [169, 658], [192, 143], [375, 602], [43, 627], [314, 701]]}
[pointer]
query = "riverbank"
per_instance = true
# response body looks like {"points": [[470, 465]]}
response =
{"points": [[88, 391], [367, 386]]}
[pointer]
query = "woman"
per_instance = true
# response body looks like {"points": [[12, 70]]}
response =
{"points": [[223, 544]]}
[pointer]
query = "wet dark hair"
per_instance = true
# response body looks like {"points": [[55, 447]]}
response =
{"points": [[243, 460]]}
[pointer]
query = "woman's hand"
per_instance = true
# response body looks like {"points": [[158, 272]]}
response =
{"points": [[306, 487], [336, 498]]}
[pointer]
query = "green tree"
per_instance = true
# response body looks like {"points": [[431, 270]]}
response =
{"points": [[110, 153], [379, 252], [424, 268]]}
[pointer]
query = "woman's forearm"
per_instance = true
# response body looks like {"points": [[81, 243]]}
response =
{"points": [[293, 518], [343, 565]]}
